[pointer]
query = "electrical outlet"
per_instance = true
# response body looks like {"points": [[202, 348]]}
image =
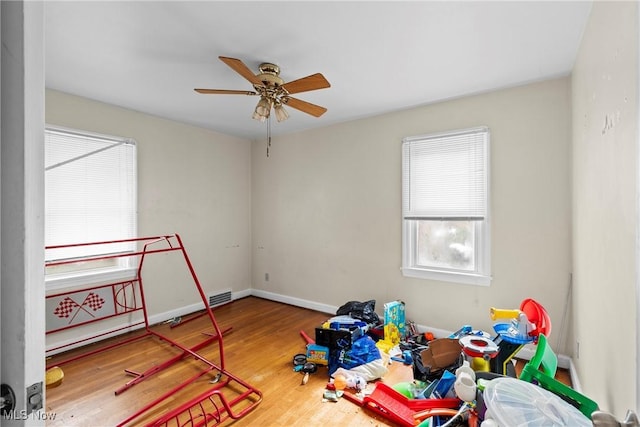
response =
{"points": [[266, 277]]}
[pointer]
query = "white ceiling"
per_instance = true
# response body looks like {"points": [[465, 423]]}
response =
{"points": [[378, 56]]}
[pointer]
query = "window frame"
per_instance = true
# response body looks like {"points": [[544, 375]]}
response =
{"points": [[124, 268], [482, 242]]}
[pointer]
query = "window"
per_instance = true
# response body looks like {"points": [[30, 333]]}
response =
{"points": [[445, 206], [90, 196]]}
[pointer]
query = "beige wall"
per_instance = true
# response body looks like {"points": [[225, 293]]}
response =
{"points": [[321, 215], [327, 208], [605, 214], [191, 181]]}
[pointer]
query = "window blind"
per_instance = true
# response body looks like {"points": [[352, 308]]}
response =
{"points": [[445, 176], [90, 191]]}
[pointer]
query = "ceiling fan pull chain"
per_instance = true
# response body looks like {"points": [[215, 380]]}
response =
{"points": [[268, 135]]}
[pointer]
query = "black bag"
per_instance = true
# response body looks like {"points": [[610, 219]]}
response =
{"points": [[364, 311]]}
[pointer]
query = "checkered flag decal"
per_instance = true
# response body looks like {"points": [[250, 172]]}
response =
{"points": [[65, 308], [94, 301]]}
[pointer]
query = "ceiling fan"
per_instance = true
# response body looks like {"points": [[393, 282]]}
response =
{"points": [[273, 91]]}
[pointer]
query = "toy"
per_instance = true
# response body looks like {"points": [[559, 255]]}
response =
{"points": [[465, 384], [443, 386], [481, 349], [523, 327], [465, 330], [405, 388], [318, 354], [53, 377], [392, 405], [340, 382], [343, 378], [526, 324], [407, 359], [307, 338], [541, 370], [357, 383], [307, 368], [394, 321]]}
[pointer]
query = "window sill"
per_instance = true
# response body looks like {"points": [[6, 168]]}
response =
{"points": [[66, 281], [446, 276]]}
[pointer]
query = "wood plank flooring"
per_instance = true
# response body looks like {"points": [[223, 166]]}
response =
{"points": [[264, 337]]}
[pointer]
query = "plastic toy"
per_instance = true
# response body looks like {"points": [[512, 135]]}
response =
{"points": [[521, 327], [357, 383], [392, 405], [343, 378], [53, 377], [307, 338], [465, 330], [444, 385], [318, 354], [481, 349], [407, 359], [525, 326], [405, 388], [465, 384], [546, 359], [452, 414], [308, 368], [299, 360], [340, 382]]}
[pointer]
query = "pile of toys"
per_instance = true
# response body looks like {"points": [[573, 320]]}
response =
{"points": [[347, 342], [467, 378]]}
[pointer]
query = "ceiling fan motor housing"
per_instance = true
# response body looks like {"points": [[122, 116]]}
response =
{"points": [[269, 74]]}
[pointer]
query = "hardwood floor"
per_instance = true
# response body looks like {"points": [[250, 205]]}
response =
{"points": [[265, 336]]}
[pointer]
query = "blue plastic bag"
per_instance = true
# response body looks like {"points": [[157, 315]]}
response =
{"points": [[362, 351]]}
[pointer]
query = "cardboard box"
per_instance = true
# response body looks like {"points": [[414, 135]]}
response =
{"points": [[441, 353]]}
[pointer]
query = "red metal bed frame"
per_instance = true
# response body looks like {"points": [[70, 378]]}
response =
{"points": [[99, 302]]}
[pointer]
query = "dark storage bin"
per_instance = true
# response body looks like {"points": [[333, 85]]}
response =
{"points": [[337, 338]]}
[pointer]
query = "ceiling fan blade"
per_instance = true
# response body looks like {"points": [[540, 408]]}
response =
{"points": [[305, 84], [225, 92], [305, 107], [240, 68]]}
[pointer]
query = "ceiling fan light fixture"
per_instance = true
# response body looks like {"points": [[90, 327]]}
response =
{"points": [[263, 108], [281, 113], [258, 117]]}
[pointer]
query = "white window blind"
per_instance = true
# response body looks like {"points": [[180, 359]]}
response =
{"points": [[445, 176], [90, 191]]}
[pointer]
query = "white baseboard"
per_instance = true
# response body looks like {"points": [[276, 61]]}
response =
{"points": [[575, 381], [241, 294], [298, 302], [54, 347]]}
